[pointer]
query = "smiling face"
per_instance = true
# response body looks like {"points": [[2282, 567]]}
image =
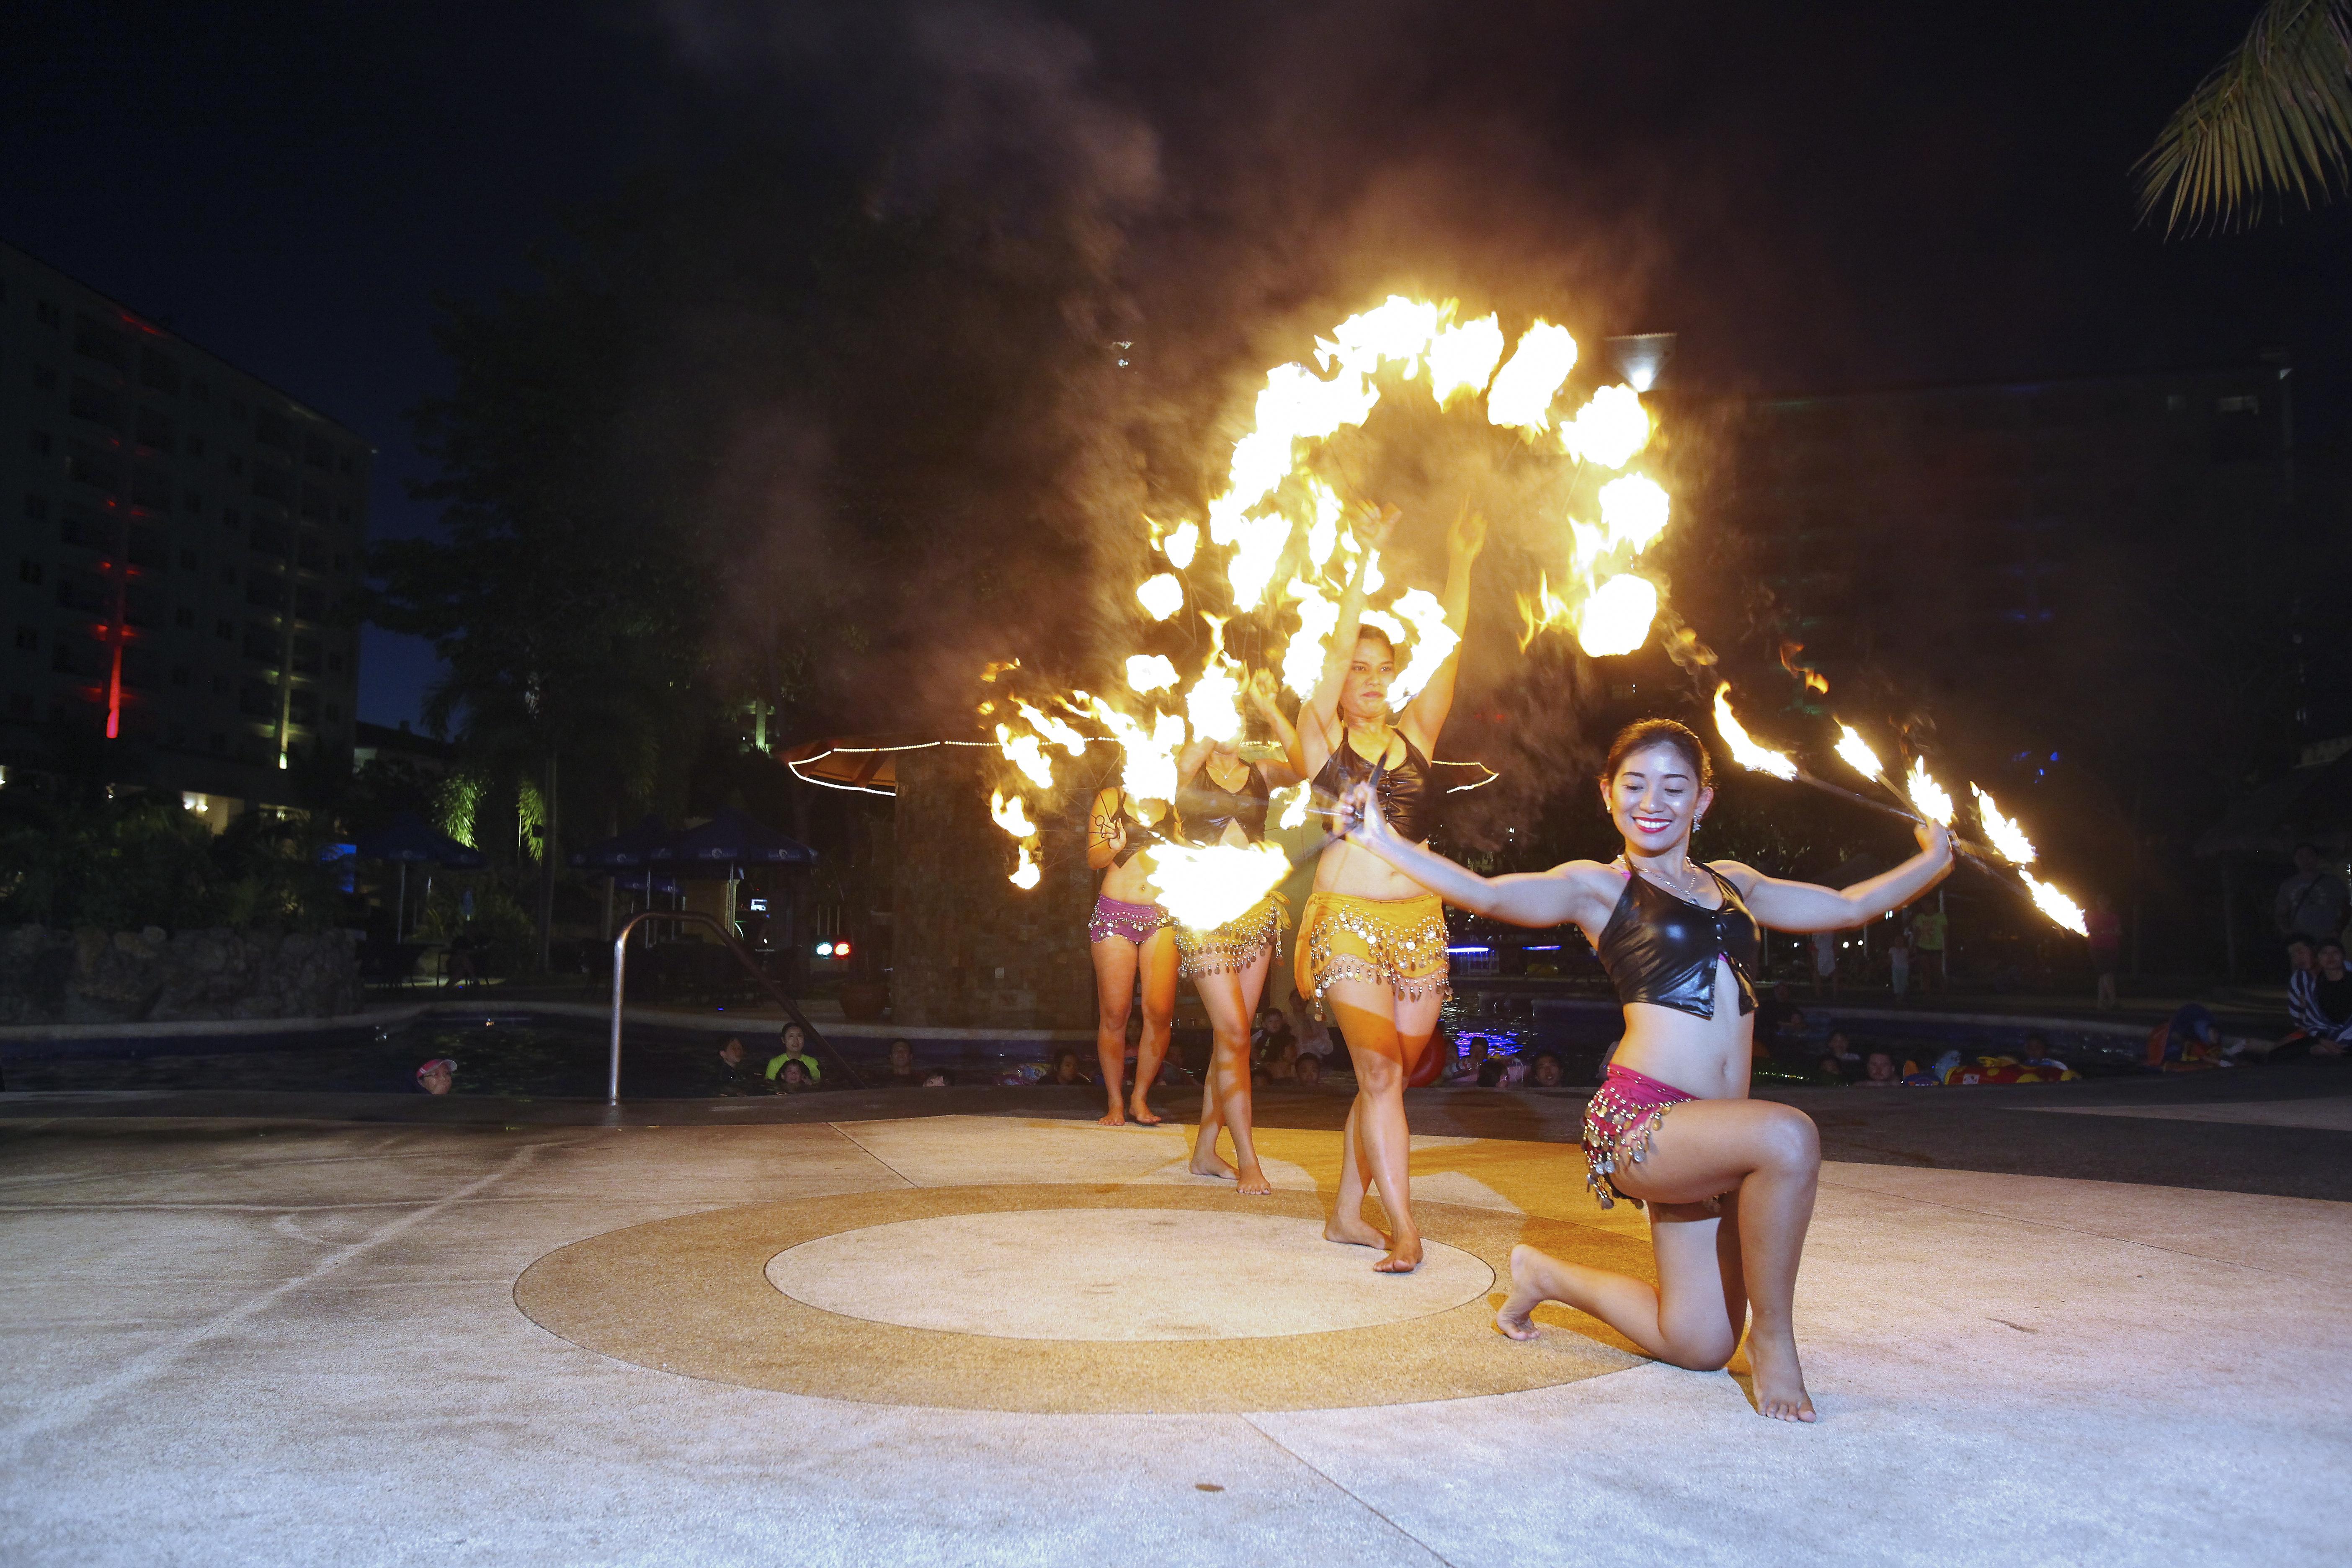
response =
{"points": [[793, 1039], [1364, 692], [1654, 798]]}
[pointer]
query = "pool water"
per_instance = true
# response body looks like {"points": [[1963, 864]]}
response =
{"points": [[516, 1055]]}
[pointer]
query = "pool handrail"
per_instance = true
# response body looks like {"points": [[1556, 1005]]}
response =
{"points": [[727, 939]]}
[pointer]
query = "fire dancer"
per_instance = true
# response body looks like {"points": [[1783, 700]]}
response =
{"points": [[1729, 1185], [1224, 801], [1130, 936], [1371, 940]]}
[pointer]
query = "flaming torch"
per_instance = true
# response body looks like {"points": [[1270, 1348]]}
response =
{"points": [[1744, 751], [2011, 844]]}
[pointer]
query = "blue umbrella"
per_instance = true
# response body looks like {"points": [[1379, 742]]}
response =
{"points": [[407, 841], [625, 851], [729, 837]]}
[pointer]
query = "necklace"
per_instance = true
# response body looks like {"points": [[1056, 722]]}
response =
{"points": [[1678, 886]]}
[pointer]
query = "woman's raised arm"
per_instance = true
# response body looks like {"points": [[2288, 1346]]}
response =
{"points": [[1801, 907]]}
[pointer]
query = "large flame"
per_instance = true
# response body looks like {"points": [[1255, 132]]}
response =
{"points": [[1744, 751], [1207, 886], [2002, 832], [1932, 800], [1027, 753], [1543, 608], [1303, 660], [1609, 430], [2064, 910], [1858, 754], [1523, 389], [1616, 618], [1163, 595], [1150, 672], [1634, 509], [1461, 359], [1433, 643]]}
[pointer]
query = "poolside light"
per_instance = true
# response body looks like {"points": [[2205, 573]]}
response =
{"points": [[825, 950]]}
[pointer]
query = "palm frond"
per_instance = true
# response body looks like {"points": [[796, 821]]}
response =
{"points": [[2274, 118]]}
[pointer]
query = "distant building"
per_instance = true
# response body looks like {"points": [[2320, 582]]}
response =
{"points": [[178, 543]]}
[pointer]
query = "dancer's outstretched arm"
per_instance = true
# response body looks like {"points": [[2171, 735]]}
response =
{"points": [[1293, 766], [1425, 715], [1805, 906], [1581, 892], [1318, 719]]}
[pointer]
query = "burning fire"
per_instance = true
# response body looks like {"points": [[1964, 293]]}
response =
{"points": [[1609, 430], [1616, 618], [1523, 389], [1163, 595], [1150, 672], [1931, 799], [2003, 834], [1011, 813], [1207, 886], [2064, 910], [1856, 753], [1745, 751]]}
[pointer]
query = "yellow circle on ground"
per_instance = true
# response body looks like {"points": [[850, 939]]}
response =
{"points": [[692, 1294]]}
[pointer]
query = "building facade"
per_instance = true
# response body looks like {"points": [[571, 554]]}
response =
{"points": [[179, 543]]}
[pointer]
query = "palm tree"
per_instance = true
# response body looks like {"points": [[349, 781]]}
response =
{"points": [[2274, 118]]}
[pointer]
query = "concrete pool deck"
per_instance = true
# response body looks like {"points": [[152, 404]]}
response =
{"points": [[247, 1339]]}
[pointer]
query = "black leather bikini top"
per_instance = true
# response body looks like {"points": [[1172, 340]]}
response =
{"points": [[1408, 797], [1661, 948], [1140, 836], [1205, 808]]}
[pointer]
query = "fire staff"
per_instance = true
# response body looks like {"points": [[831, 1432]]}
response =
{"points": [[1224, 801], [1728, 1181], [1371, 940]]}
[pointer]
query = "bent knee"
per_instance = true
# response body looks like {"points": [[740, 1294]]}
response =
{"points": [[1704, 1353], [1791, 1140]]}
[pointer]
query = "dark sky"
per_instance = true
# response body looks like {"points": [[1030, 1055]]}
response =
{"points": [[1829, 195]]}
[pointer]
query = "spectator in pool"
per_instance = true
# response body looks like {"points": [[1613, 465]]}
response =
{"points": [[936, 1078], [1465, 1068], [435, 1076], [1880, 1070], [1839, 1059], [2311, 903], [2106, 929], [1776, 1015], [735, 1073], [901, 1072], [795, 1043], [794, 1079], [1068, 1069]]}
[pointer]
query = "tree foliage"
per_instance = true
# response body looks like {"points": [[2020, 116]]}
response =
{"points": [[2274, 119]]}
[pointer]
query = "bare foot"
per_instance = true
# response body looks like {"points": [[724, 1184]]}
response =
{"points": [[1780, 1381], [1143, 1114], [1215, 1166], [1354, 1233], [1403, 1257], [1517, 1320], [1114, 1117], [1253, 1183]]}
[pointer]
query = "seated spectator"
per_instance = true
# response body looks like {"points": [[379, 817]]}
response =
{"points": [[2319, 1000], [1069, 1068], [1465, 1069], [794, 1079], [2186, 1042], [1271, 1040], [795, 1043], [1547, 1071], [1839, 1059], [433, 1077], [1775, 1015], [1880, 1070], [735, 1073], [1313, 1034], [901, 1073]]}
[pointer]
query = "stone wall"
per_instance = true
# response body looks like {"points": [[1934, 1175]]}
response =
{"points": [[93, 976], [968, 948]]}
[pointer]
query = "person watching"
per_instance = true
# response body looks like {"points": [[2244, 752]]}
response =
{"points": [[1879, 1070], [902, 1073], [795, 1043], [2312, 900], [2320, 1000], [735, 1074], [433, 1077], [1069, 1070]]}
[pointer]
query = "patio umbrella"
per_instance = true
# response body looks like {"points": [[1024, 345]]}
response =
{"points": [[730, 838], [407, 841]]}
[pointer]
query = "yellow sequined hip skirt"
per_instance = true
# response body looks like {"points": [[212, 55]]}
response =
{"points": [[1235, 945], [1396, 942]]}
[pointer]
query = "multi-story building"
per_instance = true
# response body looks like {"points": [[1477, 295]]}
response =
{"points": [[178, 541]]}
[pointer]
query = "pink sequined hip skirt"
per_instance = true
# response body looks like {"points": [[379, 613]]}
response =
{"points": [[1624, 1116], [1129, 922]]}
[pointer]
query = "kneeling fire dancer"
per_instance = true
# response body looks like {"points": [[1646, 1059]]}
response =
{"points": [[1729, 1185]]}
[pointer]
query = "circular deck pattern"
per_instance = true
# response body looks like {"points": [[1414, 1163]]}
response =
{"points": [[1116, 1275], [1057, 1299]]}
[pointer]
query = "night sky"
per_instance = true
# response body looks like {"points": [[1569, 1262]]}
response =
{"points": [[1861, 195]]}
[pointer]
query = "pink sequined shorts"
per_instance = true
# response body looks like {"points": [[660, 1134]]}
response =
{"points": [[1623, 1115]]}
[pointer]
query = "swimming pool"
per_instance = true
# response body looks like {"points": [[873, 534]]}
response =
{"points": [[513, 1054]]}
